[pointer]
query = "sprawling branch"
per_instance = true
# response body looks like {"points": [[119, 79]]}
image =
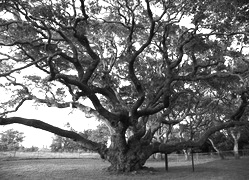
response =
{"points": [[75, 59], [100, 112], [16, 108], [234, 121], [169, 148], [109, 93], [84, 41], [204, 77], [181, 49], [83, 9], [47, 127], [21, 68], [92, 96], [239, 113], [133, 58], [150, 111], [80, 35]]}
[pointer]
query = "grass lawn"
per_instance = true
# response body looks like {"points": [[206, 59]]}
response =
{"points": [[93, 169]]}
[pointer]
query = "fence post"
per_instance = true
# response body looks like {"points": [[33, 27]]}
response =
{"points": [[192, 155], [166, 162]]}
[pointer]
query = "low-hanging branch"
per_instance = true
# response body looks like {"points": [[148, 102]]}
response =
{"points": [[47, 127], [169, 148]]}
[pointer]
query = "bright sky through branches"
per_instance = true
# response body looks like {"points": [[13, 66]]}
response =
{"points": [[53, 116]]}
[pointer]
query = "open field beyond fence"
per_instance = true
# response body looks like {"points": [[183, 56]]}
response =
{"points": [[203, 157]]}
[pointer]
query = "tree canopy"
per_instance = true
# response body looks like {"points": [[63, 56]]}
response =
{"points": [[139, 64], [10, 140]]}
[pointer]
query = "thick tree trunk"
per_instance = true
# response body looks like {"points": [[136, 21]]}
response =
{"points": [[126, 156], [131, 160]]}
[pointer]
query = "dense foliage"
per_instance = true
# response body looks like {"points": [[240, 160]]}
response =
{"points": [[11, 140]]}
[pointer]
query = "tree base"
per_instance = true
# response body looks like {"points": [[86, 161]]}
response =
{"points": [[142, 171]]}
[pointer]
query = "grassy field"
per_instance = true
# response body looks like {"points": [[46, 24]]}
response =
{"points": [[93, 169]]}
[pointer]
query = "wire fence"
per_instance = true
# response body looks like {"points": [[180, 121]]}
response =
{"points": [[41, 154], [203, 157], [174, 157]]}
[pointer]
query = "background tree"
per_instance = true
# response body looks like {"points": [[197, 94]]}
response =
{"points": [[244, 139], [100, 135], [138, 65], [63, 144], [57, 144], [219, 143], [10, 140]]}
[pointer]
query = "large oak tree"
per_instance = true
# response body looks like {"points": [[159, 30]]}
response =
{"points": [[139, 65]]}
